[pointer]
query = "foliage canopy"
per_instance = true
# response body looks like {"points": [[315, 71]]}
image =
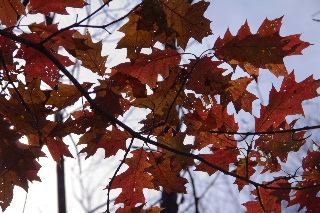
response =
{"points": [[183, 99]]}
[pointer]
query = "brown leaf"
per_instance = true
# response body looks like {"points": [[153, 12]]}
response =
{"points": [[66, 95], [186, 21], [91, 57]]}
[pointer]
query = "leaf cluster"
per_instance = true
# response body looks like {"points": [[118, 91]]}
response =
{"points": [[182, 99]]}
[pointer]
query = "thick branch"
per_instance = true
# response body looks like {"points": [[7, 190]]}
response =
{"points": [[268, 132], [114, 120]]}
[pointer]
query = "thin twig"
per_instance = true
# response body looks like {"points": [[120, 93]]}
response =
{"points": [[115, 174], [196, 198]]}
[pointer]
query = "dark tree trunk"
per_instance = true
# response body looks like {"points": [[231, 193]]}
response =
{"points": [[169, 202], [61, 188], [60, 178]]}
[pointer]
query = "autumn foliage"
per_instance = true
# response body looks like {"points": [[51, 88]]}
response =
{"points": [[182, 98]]}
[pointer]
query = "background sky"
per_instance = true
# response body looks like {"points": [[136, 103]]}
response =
{"points": [[224, 14]]}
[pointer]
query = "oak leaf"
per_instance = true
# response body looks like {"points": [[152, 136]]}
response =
{"points": [[57, 148], [221, 157], [57, 6], [38, 65], [139, 209], [185, 21], [64, 38], [123, 81], [110, 141], [135, 39], [18, 163], [207, 78], [152, 17], [307, 198], [7, 49], [216, 118], [204, 139], [65, 95], [280, 145], [176, 142], [244, 168], [91, 57], [269, 199], [311, 163], [265, 49], [133, 180], [148, 67], [108, 99], [166, 173], [276, 111], [10, 10]]}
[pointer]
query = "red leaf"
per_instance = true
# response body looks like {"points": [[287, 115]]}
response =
{"points": [[64, 38], [134, 180], [306, 198], [311, 165], [280, 145], [10, 10], [295, 93], [38, 65], [111, 141], [244, 168], [265, 49], [165, 173], [138, 209], [148, 67], [217, 118], [57, 149], [269, 200], [18, 163], [56, 6], [220, 157]]}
